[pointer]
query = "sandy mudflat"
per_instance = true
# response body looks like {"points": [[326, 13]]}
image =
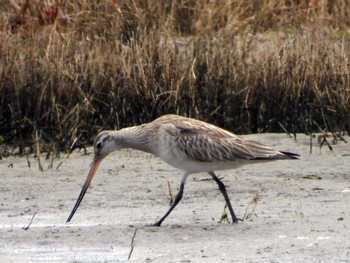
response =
{"points": [[295, 219]]}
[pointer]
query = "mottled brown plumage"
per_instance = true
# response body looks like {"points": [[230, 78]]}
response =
{"points": [[190, 145]]}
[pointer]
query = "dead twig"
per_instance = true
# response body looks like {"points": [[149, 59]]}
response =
{"points": [[37, 144], [52, 157], [27, 157], [31, 221], [224, 217], [285, 130], [253, 202], [170, 194], [74, 145], [132, 243], [323, 139]]}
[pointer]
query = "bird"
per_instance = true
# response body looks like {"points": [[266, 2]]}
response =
{"points": [[190, 145]]}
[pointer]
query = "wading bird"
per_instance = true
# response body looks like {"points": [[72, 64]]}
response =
{"points": [[190, 145]]}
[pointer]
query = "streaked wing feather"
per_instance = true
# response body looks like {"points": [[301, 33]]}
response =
{"points": [[186, 125], [205, 142], [206, 148]]}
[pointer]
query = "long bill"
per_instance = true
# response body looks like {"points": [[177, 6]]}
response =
{"points": [[96, 162]]}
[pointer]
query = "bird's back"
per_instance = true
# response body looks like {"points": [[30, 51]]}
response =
{"points": [[188, 143]]}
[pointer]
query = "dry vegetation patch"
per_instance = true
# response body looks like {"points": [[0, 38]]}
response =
{"points": [[69, 69]]}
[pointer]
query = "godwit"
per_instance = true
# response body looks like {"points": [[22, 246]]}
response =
{"points": [[187, 144]]}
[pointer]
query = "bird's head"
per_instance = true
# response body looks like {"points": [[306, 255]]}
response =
{"points": [[103, 145]]}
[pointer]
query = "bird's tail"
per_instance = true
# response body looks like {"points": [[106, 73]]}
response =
{"points": [[291, 155]]}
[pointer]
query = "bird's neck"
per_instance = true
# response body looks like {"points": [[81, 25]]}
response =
{"points": [[136, 137]]}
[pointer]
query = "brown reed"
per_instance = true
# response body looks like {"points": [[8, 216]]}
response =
{"points": [[69, 69]]}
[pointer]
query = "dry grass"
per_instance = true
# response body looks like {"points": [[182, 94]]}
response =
{"points": [[69, 69]]}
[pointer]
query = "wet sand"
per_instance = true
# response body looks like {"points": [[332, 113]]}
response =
{"points": [[295, 210]]}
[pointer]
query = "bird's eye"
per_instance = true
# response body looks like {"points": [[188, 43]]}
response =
{"points": [[99, 145]]}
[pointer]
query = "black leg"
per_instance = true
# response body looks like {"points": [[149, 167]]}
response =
{"points": [[223, 191], [177, 199]]}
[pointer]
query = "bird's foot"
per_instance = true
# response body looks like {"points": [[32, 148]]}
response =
{"points": [[235, 220], [157, 224]]}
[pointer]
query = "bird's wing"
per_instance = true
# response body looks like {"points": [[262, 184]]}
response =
{"points": [[209, 143], [174, 123]]}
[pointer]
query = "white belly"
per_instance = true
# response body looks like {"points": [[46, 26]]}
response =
{"points": [[191, 166]]}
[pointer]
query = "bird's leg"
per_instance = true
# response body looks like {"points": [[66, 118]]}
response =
{"points": [[177, 199], [223, 191]]}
